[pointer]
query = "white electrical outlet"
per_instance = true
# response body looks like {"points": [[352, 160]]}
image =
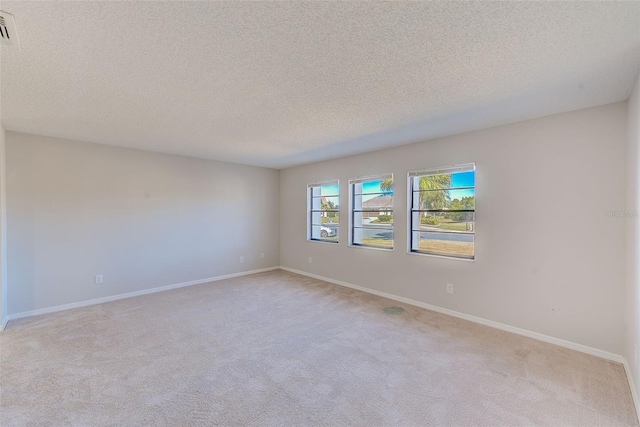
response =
{"points": [[242, 258], [310, 260], [449, 288], [98, 279], [261, 254]]}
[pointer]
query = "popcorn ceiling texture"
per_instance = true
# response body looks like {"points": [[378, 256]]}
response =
{"points": [[279, 349], [281, 84]]}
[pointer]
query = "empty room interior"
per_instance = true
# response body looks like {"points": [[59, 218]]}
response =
{"points": [[319, 213]]}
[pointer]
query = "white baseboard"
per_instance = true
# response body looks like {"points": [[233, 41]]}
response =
{"points": [[546, 338], [535, 335], [632, 386], [131, 294]]}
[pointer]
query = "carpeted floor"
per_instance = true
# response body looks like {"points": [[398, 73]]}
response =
{"points": [[279, 349]]}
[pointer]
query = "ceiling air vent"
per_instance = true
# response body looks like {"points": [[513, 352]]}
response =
{"points": [[8, 34]]}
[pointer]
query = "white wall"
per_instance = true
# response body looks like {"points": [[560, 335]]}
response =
{"points": [[547, 258], [141, 219], [632, 337]]}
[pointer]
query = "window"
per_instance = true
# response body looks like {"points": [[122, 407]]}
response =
{"points": [[443, 206], [372, 212], [323, 211]]}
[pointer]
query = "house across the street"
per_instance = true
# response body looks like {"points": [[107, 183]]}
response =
{"points": [[380, 205]]}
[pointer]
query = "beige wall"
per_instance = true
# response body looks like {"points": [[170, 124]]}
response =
{"points": [[3, 225], [632, 337], [547, 258], [3, 234], [141, 219]]}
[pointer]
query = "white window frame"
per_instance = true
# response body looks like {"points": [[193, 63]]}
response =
{"points": [[311, 210], [467, 167], [353, 210]]}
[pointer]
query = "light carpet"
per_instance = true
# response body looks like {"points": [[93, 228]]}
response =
{"points": [[280, 349]]}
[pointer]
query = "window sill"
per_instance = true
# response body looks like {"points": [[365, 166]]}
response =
{"points": [[371, 247], [323, 241], [442, 256]]}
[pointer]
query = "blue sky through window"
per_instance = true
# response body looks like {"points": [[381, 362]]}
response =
{"points": [[460, 179], [464, 179], [330, 190]]}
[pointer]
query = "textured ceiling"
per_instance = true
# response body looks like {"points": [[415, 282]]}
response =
{"points": [[280, 84]]}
